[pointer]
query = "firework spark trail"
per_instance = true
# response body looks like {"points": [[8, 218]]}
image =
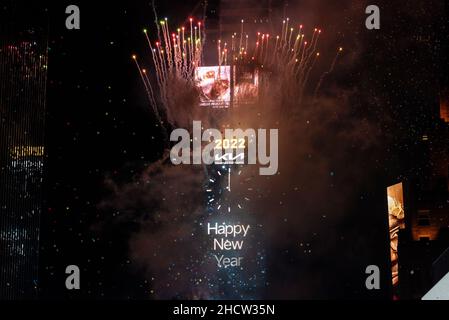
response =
{"points": [[190, 39], [320, 82], [290, 39], [219, 58], [156, 19], [306, 77], [226, 53], [150, 95], [156, 112], [241, 36], [155, 61], [166, 35], [285, 32], [200, 42], [312, 46], [141, 72], [275, 50]]}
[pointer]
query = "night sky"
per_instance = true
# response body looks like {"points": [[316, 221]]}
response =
{"points": [[100, 128]]}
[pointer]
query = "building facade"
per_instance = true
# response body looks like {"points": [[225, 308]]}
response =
{"points": [[23, 76]]}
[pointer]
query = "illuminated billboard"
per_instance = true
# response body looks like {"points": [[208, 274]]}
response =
{"points": [[214, 85], [396, 222], [218, 91], [246, 89]]}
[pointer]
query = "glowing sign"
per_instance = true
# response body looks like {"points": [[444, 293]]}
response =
{"points": [[227, 145], [396, 222], [26, 151], [214, 85], [189, 150]]}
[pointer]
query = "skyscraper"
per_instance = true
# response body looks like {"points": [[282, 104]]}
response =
{"points": [[23, 75]]}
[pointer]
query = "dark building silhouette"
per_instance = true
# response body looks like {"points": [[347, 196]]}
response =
{"points": [[224, 18]]}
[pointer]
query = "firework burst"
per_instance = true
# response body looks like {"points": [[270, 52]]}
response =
{"points": [[287, 59]]}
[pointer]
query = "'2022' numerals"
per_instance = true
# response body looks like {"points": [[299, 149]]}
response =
{"points": [[230, 143]]}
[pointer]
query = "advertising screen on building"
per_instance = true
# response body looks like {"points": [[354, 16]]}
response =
{"points": [[396, 222], [214, 85], [246, 90]]}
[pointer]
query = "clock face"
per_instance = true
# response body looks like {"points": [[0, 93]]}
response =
{"points": [[224, 174], [219, 189]]}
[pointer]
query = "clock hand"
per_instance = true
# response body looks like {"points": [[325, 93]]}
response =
{"points": [[229, 179]]}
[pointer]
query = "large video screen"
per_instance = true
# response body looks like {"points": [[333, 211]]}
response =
{"points": [[246, 89], [214, 85]]}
